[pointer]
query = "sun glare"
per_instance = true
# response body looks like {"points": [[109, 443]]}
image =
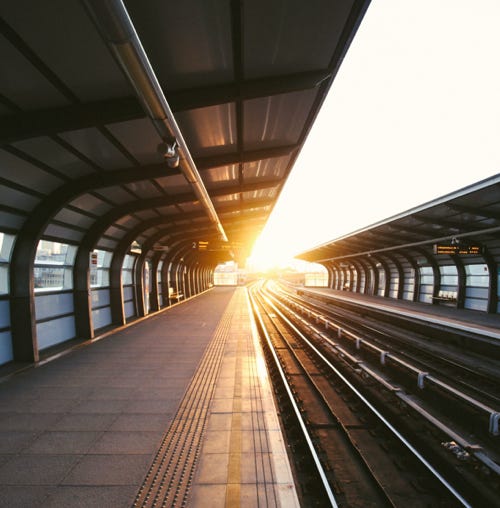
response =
{"points": [[273, 250], [395, 134]]}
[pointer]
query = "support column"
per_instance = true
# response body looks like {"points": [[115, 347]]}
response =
{"points": [[22, 304]]}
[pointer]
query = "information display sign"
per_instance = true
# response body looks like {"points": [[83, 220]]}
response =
{"points": [[453, 249]]}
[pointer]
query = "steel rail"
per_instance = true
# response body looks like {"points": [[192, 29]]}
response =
{"points": [[493, 415], [422, 377], [375, 411], [296, 409]]}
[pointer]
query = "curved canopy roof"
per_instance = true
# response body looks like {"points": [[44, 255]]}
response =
{"points": [[82, 159], [457, 222]]}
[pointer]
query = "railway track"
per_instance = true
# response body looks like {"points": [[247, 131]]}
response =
{"points": [[477, 374], [470, 403], [359, 457]]}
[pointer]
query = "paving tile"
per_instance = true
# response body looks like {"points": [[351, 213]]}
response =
{"points": [[208, 496], [216, 441], [63, 392], [162, 406], [222, 405], [90, 497], [111, 393], [254, 441], [101, 470], [220, 421], [14, 441], [100, 406], [141, 422], [25, 496], [44, 405], [63, 443], [84, 422], [212, 468], [127, 442], [27, 422], [37, 469]]}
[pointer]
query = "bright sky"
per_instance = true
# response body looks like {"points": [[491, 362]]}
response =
{"points": [[413, 114]]}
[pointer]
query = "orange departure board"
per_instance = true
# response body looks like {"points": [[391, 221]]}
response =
{"points": [[453, 249]]}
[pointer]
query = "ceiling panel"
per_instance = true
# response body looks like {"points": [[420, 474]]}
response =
{"points": [[259, 194], [17, 199], [21, 172], [141, 139], [128, 221], [277, 120], [93, 145], [91, 204], [293, 36], [220, 174], [174, 184], [274, 168], [71, 217], [63, 234], [69, 20], [209, 131], [52, 154], [144, 189], [24, 85], [115, 195], [189, 42]]}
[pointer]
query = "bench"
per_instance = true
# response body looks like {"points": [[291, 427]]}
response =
{"points": [[175, 296], [445, 296]]}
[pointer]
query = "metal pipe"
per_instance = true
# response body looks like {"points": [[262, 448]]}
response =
{"points": [[114, 24]]}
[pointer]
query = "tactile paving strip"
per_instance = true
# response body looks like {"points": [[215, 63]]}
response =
{"points": [[168, 481]]}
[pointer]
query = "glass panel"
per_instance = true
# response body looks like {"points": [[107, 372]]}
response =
{"points": [[4, 279], [477, 275], [449, 280], [128, 262], [448, 270], [476, 269], [54, 253], [426, 275], [477, 280], [158, 271], [53, 265], [100, 260], [426, 279], [6, 243]]}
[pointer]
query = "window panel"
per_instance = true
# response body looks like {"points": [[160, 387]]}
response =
{"points": [[54, 266]]}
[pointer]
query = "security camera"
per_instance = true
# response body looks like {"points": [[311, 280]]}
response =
{"points": [[173, 161], [169, 150]]}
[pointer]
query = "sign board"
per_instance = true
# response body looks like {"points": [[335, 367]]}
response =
{"points": [[200, 245], [453, 249], [93, 260]]}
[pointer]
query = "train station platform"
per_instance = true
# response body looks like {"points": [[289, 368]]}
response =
{"points": [[468, 320], [175, 410]]}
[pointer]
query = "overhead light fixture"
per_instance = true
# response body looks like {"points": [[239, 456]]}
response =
{"points": [[170, 152]]}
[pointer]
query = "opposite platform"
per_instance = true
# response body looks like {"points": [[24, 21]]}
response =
{"points": [[175, 409]]}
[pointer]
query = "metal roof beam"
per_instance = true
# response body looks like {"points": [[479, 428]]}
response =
{"points": [[17, 127], [215, 161], [32, 124], [194, 98]]}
